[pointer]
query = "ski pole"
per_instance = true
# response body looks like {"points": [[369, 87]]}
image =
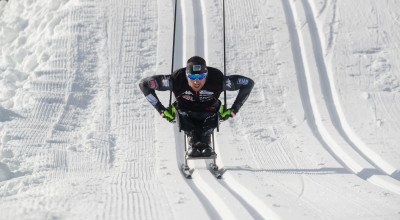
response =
{"points": [[173, 54], [223, 15]]}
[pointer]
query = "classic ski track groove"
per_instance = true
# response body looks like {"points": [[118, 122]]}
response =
{"points": [[254, 203], [204, 182], [307, 41], [333, 104]]}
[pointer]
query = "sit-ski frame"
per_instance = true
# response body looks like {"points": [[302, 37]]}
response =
{"points": [[213, 166]]}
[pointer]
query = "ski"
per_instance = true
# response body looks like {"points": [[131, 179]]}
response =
{"points": [[187, 172], [216, 171], [213, 168]]}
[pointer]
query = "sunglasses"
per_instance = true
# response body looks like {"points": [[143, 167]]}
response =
{"points": [[196, 76]]}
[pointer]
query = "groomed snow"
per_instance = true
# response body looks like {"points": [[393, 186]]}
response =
{"points": [[317, 138]]}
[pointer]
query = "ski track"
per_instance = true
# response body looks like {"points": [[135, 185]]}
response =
{"points": [[134, 189], [329, 123], [333, 104]]}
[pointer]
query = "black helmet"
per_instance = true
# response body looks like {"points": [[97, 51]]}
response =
{"points": [[196, 65]]}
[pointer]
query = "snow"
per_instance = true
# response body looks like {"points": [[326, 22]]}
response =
{"points": [[317, 138], [5, 173]]}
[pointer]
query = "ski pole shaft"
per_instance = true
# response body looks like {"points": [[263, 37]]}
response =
{"points": [[173, 53], [223, 15]]}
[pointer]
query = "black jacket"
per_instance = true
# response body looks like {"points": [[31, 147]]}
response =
{"points": [[188, 99]]}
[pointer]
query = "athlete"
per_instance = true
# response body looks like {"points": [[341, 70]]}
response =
{"points": [[197, 89]]}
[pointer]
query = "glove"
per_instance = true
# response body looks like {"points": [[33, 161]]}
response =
{"points": [[169, 114], [227, 114]]}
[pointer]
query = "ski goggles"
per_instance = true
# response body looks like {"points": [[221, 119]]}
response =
{"points": [[196, 76]]}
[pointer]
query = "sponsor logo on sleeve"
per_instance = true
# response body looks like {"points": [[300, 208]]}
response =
{"points": [[228, 83], [165, 83], [242, 81], [153, 84], [152, 99]]}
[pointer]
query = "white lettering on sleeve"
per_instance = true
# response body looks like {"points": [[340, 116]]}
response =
{"points": [[152, 99]]}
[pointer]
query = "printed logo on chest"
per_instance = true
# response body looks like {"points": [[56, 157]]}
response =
{"points": [[188, 97], [205, 95]]}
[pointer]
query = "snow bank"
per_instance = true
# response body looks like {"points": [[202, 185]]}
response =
{"points": [[26, 28]]}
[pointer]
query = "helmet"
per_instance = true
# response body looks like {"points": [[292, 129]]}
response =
{"points": [[196, 65]]}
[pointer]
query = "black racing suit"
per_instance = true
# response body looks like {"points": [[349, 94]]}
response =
{"points": [[197, 110]]}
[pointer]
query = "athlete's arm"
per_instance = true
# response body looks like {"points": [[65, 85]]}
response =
{"points": [[150, 84], [241, 83]]}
